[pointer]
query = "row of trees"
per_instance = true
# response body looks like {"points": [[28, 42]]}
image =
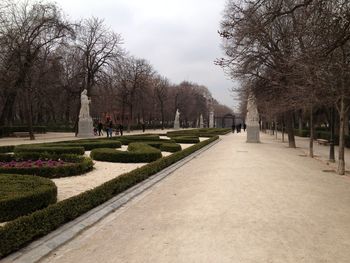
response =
{"points": [[294, 56], [46, 61]]}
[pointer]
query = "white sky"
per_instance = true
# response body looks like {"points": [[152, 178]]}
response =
{"points": [[178, 37]]}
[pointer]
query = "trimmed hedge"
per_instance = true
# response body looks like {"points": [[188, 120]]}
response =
{"points": [[50, 150], [22, 194], [137, 153], [23, 230], [88, 145], [77, 165], [170, 147], [203, 132], [186, 139]]}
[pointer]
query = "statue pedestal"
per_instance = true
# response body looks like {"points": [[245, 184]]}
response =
{"points": [[85, 128], [253, 134]]}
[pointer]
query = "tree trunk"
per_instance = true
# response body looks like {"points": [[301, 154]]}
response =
{"points": [[290, 129], [346, 124], [162, 113], [28, 113], [130, 117], [341, 160], [311, 144], [7, 112], [276, 128], [300, 121]]}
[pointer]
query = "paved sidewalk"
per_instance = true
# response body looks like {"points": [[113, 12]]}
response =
{"points": [[236, 202]]}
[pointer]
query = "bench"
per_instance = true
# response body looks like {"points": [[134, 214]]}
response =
{"points": [[20, 134], [322, 142]]}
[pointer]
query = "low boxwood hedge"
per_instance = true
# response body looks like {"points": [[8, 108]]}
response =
{"points": [[186, 139], [89, 145], [203, 132], [51, 150], [75, 165], [23, 194], [23, 230], [170, 147], [137, 153]]}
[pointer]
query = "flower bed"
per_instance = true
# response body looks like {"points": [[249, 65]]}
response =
{"points": [[41, 164], [33, 164], [23, 194]]}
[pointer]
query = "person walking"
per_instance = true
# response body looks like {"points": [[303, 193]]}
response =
{"points": [[110, 128], [99, 128], [233, 128], [121, 129], [143, 127], [244, 127]]}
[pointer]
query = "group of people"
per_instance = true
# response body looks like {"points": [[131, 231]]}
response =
{"points": [[238, 127], [108, 127]]}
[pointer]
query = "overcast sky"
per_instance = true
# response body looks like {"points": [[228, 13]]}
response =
{"points": [[178, 37]]}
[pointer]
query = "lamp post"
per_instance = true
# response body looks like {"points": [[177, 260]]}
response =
{"points": [[331, 141]]}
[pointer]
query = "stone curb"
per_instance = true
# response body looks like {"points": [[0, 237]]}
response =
{"points": [[45, 245]]}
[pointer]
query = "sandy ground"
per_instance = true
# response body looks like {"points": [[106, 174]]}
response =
{"points": [[103, 172], [236, 202]]}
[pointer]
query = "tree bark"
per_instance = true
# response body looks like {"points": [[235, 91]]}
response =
{"points": [[28, 114], [290, 129], [7, 112], [311, 143], [341, 160]]}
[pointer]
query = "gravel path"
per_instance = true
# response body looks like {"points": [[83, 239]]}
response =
{"points": [[236, 202]]}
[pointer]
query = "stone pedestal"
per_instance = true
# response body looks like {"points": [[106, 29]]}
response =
{"points": [[201, 124], [253, 134], [85, 128]]}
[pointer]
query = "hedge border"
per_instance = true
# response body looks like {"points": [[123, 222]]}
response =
{"points": [[137, 153], [44, 194], [79, 150], [23, 230]]}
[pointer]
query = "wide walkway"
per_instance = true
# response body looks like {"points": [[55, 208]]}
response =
{"points": [[236, 202]]}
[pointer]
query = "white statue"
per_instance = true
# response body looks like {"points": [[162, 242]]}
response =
{"points": [[84, 108], [201, 123], [211, 119], [252, 120], [177, 120]]}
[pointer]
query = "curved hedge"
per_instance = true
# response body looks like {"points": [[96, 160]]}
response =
{"points": [[76, 165], [170, 147], [23, 194], [137, 153], [89, 145], [49, 149], [186, 139]]}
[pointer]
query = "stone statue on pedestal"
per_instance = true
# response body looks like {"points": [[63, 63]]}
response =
{"points": [[201, 124], [252, 121], [177, 120], [85, 125], [211, 119]]}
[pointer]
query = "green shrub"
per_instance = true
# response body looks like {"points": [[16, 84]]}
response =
{"points": [[170, 147], [301, 133], [186, 139], [23, 194], [75, 165], [137, 153], [88, 145], [25, 229], [6, 157], [51, 150]]}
